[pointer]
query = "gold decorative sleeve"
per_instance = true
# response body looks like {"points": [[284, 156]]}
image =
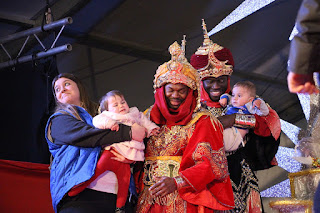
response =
{"points": [[245, 121], [180, 182], [217, 159]]}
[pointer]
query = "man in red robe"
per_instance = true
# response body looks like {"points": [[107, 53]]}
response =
{"points": [[214, 64], [185, 169]]}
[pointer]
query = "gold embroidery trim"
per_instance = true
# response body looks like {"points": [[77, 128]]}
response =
{"points": [[292, 177], [180, 182], [164, 158], [245, 121], [160, 166]]}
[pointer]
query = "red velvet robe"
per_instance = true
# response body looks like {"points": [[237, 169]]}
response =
{"points": [[203, 166]]}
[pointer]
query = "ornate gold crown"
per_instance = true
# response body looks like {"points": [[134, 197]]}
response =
{"points": [[177, 70], [213, 67]]}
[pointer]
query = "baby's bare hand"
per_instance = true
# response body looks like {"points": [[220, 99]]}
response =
{"points": [[223, 102], [257, 103], [115, 127], [155, 132]]}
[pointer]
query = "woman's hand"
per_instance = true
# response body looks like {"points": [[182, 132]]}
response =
{"points": [[120, 157], [138, 133], [164, 185]]}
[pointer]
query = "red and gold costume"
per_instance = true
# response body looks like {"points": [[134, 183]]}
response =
{"points": [[189, 148], [213, 60]]}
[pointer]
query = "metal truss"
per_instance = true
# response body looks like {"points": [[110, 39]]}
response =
{"points": [[52, 50]]}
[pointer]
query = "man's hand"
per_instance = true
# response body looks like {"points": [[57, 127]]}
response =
{"points": [[227, 120], [301, 83], [163, 186]]}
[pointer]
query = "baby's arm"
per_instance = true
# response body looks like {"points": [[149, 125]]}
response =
{"points": [[102, 121], [151, 128], [224, 99], [258, 106], [154, 131], [115, 127], [264, 109], [256, 103]]}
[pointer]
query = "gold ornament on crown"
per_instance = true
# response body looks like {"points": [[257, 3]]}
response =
{"points": [[214, 68], [178, 70]]}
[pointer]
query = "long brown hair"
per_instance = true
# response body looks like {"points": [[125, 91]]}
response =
{"points": [[86, 103]]}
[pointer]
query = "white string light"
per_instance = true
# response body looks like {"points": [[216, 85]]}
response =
{"points": [[245, 9]]}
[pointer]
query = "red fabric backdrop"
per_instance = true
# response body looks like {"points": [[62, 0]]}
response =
{"points": [[24, 187]]}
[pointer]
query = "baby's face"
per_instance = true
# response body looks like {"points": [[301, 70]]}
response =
{"points": [[240, 96], [118, 104]]}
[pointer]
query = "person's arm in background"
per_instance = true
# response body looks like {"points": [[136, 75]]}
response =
{"points": [[304, 56]]}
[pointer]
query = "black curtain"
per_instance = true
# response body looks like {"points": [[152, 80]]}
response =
{"points": [[27, 102]]}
